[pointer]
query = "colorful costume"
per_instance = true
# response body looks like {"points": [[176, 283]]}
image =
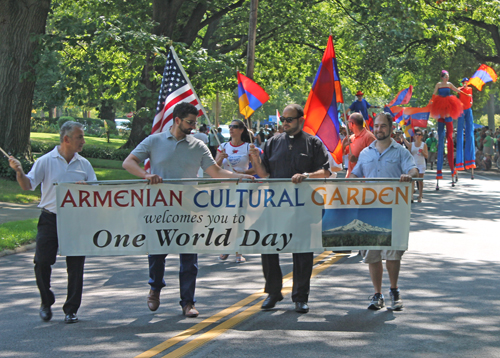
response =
{"points": [[469, 152], [445, 108]]}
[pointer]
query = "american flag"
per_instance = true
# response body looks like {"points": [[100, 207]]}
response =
{"points": [[175, 88]]}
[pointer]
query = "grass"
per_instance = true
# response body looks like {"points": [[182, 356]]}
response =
{"points": [[16, 233], [11, 192], [54, 138]]}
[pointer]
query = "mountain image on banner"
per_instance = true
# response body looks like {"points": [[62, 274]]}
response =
{"points": [[357, 233]]}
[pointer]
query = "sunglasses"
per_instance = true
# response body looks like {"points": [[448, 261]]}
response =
{"points": [[288, 119], [235, 126], [418, 133], [191, 123]]}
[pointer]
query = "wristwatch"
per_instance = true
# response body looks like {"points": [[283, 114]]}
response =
{"points": [[306, 174]]}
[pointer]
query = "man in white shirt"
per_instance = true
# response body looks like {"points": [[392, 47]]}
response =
{"points": [[63, 164]]}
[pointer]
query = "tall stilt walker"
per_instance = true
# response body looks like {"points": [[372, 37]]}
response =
{"points": [[446, 108], [466, 155]]}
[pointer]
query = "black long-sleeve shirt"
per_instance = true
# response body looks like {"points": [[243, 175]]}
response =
{"points": [[285, 156]]}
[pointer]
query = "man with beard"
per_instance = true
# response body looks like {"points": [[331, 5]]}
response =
{"points": [[297, 155], [175, 154], [384, 158]]}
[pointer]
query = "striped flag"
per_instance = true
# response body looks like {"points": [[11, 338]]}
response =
{"points": [[175, 88], [484, 74], [320, 111]]}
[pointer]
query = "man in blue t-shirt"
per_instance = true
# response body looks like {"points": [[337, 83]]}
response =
{"points": [[360, 105]]}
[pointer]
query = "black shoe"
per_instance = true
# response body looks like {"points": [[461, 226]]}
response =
{"points": [[301, 307], [270, 302], [45, 313], [71, 318]]}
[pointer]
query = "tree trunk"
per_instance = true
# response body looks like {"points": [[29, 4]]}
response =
{"points": [[20, 20]]}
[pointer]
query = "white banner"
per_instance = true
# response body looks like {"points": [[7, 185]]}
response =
{"points": [[248, 218]]}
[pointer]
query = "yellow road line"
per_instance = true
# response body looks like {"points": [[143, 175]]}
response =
{"points": [[218, 316], [224, 326]]}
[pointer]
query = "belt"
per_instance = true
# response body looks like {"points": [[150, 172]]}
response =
{"points": [[47, 211]]}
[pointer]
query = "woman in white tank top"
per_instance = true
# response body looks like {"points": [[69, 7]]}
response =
{"points": [[418, 149]]}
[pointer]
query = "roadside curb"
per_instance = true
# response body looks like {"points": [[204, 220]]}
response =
{"points": [[19, 249]]}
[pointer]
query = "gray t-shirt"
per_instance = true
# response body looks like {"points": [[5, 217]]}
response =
{"points": [[172, 159]]}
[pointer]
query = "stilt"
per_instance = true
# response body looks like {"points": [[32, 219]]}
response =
{"points": [[472, 174], [437, 184]]}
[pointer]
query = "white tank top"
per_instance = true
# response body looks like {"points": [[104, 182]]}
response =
{"points": [[417, 153]]}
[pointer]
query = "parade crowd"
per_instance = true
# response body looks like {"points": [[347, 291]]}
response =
{"points": [[267, 152]]}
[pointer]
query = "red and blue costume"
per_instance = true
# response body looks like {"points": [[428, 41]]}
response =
{"points": [[445, 107], [466, 151]]}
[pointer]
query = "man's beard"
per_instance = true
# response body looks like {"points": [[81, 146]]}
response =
{"points": [[384, 136]]}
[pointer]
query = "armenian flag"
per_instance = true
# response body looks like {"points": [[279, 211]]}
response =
{"points": [[251, 95], [403, 97], [320, 111], [484, 74], [416, 117]]}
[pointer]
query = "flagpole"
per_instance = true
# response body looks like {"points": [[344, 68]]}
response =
{"points": [[196, 96]]}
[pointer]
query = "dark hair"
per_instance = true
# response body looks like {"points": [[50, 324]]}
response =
{"points": [[444, 73], [183, 109], [358, 119], [417, 129], [298, 108], [245, 135], [387, 115]]}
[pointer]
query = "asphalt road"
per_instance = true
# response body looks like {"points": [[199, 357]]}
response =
{"points": [[449, 284]]}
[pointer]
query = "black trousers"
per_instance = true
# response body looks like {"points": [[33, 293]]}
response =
{"points": [[45, 256], [302, 269]]}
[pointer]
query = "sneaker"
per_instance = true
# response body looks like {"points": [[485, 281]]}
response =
{"points": [[377, 302], [397, 302]]}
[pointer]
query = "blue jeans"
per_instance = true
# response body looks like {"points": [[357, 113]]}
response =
{"points": [[187, 275]]}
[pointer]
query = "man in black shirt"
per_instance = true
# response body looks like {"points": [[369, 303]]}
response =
{"points": [[297, 155]]}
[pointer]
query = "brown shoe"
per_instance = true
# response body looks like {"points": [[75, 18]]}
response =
{"points": [[189, 311], [153, 300]]}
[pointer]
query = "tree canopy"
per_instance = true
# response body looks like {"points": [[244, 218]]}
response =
{"points": [[110, 54]]}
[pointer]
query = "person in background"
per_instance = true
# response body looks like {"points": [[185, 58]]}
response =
{"points": [[201, 134], [419, 152], [62, 164], [360, 106], [432, 144], [359, 140], [236, 153]]}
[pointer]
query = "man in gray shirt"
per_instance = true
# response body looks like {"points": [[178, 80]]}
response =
{"points": [[384, 158], [175, 154]]}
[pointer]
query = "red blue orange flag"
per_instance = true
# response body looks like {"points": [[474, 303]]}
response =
{"points": [[320, 111], [484, 74], [250, 95], [403, 97], [416, 117]]}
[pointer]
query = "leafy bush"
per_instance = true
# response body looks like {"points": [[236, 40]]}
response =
{"points": [[7, 172], [64, 119], [93, 151], [43, 126], [41, 147]]}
